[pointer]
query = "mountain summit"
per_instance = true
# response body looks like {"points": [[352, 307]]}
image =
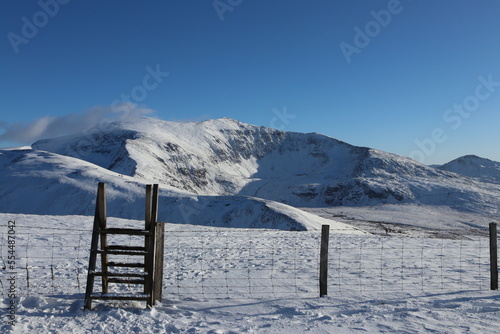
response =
{"points": [[476, 167]]}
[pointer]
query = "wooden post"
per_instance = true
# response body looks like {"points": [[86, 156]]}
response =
{"points": [[147, 240], [104, 237], [152, 243], [158, 247], [323, 261], [158, 271], [99, 210], [493, 256], [148, 208]]}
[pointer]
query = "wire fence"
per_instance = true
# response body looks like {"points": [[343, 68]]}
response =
{"points": [[241, 264], [368, 264], [235, 263], [44, 261]]}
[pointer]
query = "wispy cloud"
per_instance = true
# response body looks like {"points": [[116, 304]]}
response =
{"points": [[54, 126]]}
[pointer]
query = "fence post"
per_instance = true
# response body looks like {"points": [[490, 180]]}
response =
{"points": [[147, 241], [159, 253], [493, 256], [159, 230], [323, 261], [101, 204], [99, 224], [150, 263]]}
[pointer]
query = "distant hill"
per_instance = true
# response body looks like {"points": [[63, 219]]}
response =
{"points": [[476, 167]]}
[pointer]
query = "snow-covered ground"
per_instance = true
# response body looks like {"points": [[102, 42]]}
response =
{"points": [[448, 312], [408, 219], [227, 280]]}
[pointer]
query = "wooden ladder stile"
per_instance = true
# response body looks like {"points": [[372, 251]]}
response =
{"points": [[147, 272]]}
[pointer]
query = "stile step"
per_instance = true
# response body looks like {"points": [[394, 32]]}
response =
{"points": [[126, 281], [108, 274], [128, 231], [118, 297], [127, 265], [121, 252], [126, 248]]}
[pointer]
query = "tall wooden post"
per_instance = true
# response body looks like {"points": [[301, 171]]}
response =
{"points": [[323, 261], [158, 249], [100, 214], [493, 256], [147, 241], [150, 263], [104, 237]]}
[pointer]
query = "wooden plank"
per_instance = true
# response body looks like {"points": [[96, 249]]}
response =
{"points": [[101, 204], [126, 248], [126, 231], [147, 239], [126, 265], [158, 266], [147, 219], [120, 252], [104, 238], [154, 205], [152, 244], [94, 247], [323, 261], [140, 298], [108, 274], [493, 257], [125, 281]]}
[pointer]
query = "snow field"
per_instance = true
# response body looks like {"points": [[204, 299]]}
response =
{"points": [[206, 262], [258, 281], [242, 264]]}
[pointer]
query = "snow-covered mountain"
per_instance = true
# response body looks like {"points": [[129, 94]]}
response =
{"points": [[225, 157], [476, 167], [222, 173], [41, 182]]}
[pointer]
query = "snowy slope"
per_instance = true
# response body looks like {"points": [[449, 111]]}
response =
{"points": [[386, 305], [227, 157], [476, 167], [444, 313], [41, 182]]}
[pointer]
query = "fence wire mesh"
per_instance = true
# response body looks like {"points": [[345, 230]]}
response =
{"points": [[233, 263]]}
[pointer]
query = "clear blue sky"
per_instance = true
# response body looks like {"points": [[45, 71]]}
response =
{"points": [[251, 59]]}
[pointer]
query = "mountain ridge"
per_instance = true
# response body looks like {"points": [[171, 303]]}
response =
{"points": [[221, 161], [227, 157]]}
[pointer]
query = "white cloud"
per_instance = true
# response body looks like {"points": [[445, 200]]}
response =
{"points": [[55, 126]]}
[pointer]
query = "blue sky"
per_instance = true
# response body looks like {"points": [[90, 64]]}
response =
{"points": [[415, 78]]}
